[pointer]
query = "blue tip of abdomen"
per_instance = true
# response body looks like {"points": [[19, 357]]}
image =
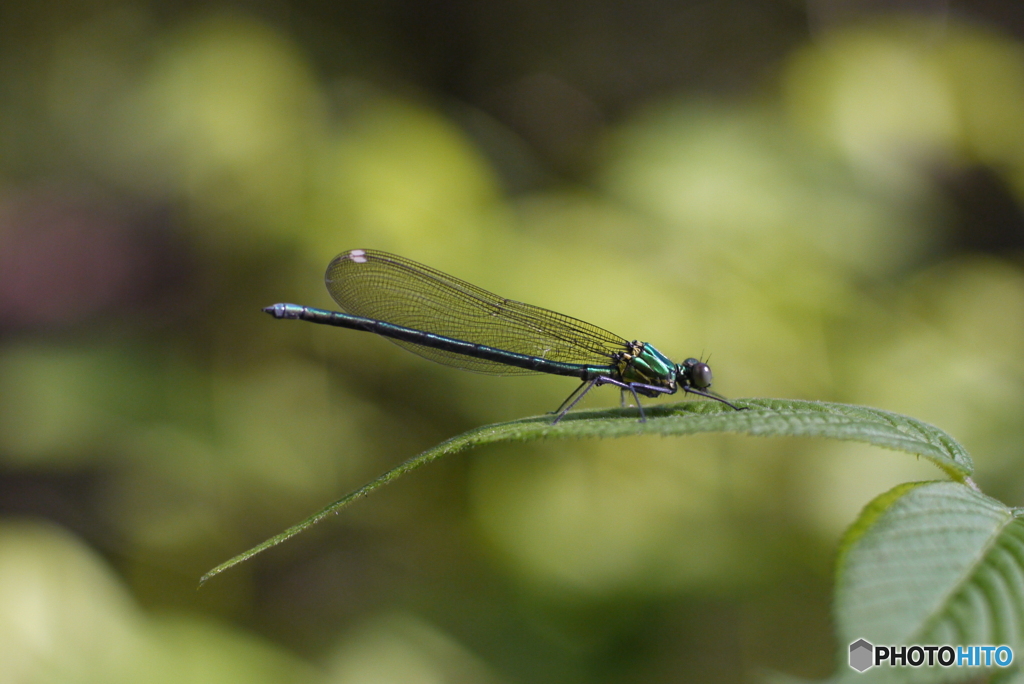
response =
{"points": [[284, 310]]}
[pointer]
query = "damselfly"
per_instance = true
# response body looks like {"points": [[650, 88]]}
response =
{"points": [[452, 322]]}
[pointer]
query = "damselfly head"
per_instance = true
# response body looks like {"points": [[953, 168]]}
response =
{"points": [[694, 373]]}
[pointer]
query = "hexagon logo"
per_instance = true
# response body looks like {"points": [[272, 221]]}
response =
{"points": [[860, 655]]}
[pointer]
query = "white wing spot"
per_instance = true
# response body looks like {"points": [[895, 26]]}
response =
{"points": [[358, 256]]}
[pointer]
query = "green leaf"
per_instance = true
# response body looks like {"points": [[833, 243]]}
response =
{"points": [[935, 563], [765, 417], [1012, 676]]}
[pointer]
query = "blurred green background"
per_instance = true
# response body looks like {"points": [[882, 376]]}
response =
{"points": [[825, 197]]}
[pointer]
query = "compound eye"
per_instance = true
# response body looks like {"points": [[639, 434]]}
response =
{"points": [[700, 375]]}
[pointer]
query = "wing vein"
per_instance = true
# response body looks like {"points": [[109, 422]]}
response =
{"points": [[396, 290]]}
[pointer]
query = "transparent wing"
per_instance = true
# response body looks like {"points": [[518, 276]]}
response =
{"points": [[396, 290]]}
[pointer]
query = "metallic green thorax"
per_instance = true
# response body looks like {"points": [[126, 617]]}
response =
{"points": [[642, 363]]}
